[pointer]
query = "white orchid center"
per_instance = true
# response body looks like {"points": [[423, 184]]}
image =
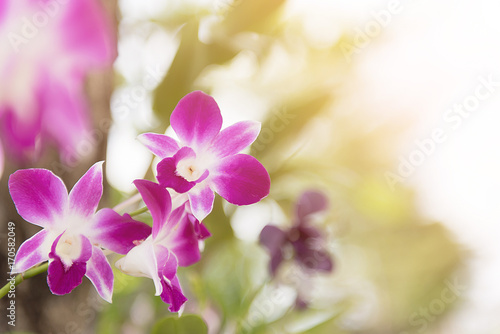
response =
{"points": [[69, 248], [190, 169]]}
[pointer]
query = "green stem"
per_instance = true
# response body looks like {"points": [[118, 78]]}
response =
{"points": [[23, 276], [139, 211]]}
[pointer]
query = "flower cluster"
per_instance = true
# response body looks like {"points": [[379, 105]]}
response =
{"points": [[47, 49], [75, 238]]}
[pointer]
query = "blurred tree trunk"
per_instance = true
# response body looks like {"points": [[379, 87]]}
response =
{"points": [[37, 310]]}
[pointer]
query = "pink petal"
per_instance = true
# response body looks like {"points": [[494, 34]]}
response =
{"points": [[182, 239], [310, 202], [235, 138], [100, 274], [201, 199], [63, 278], [241, 179], [158, 201], [171, 289], [87, 192], [160, 145], [31, 252], [1, 160], [87, 33], [117, 233], [196, 119], [167, 171], [65, 117], [40, 196], [199, 228]]}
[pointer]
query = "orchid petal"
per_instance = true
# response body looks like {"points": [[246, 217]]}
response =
{"points": [[160, 145], [235, 138], [167, 171], [62, 280], [40, 196], [141, 262], [182, 239], [310, 202], [273, 238], [99, 272], [310, 251], [2, 163], [158, 201], [115, 232], [87, 192], [199, 228], [88, 32], [201, 199], [31, 252], [172, 292], [196, 119], [63, 276], [241, 179]]}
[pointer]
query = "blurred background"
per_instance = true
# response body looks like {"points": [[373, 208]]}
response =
{"points": [[388, 107]]}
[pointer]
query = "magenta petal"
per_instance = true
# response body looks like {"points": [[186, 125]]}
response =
{"points": [[241, 179], [171, 289], [63, 278], [182, 238], [235, 138], [160, 145], [196, 119], [87, 192], [167, 171], [88, 32], [158, 201], [117, 233], [31, 252], [199, 228], [311, 202], [201, 199], [1, 160], [39, 195], [100, 274]]}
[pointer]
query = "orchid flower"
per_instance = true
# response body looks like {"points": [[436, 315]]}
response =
{"points": [[206, 159], [73, 233], [46, 51], [307, 241], [1, 160], [172, 243]]}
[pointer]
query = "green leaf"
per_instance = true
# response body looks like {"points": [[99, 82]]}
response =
{"points": [[187, 324]]}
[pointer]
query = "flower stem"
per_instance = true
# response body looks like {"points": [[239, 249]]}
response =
{"points": [[139, 211], [136, 198], [23, 276]]}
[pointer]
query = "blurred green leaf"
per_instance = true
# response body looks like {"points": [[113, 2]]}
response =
{"points": [[187, 324]]}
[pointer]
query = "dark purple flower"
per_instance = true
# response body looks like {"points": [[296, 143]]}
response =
{"points": [[306, 241], [73, 233], [207, 160]]}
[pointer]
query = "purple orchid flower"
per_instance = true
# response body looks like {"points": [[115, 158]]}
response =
{"points": [[306, 241], [73, 233], [172, 243], [48, 48], [206, 159]]}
